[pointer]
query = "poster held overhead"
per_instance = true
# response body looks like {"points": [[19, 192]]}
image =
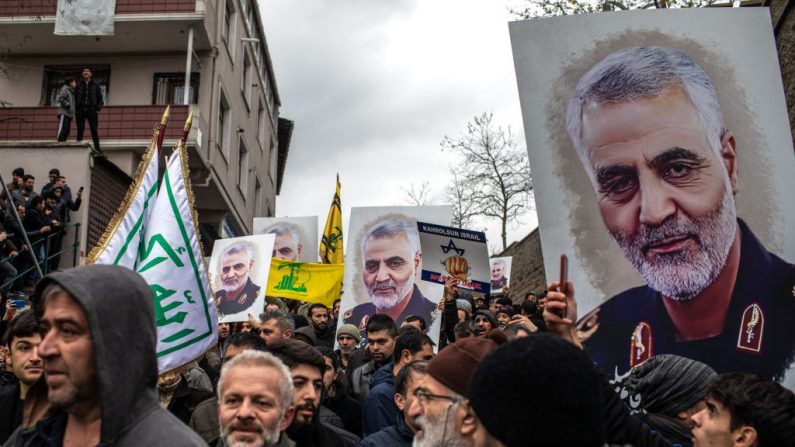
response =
{"points": [[296, 237], [383, 265], [455, 252], [670, 145], [500, 274], [239, 272]]}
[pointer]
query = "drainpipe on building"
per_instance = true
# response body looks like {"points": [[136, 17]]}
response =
{"points": [[188, 66]]}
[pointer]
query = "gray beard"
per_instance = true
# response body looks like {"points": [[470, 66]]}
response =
{"points": [[683, 275], [382, 302], [441, 433]]}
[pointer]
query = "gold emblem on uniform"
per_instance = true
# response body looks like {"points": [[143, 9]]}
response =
{"points": [[641, 344], [752, 327], [242, 299], [363, 323]]}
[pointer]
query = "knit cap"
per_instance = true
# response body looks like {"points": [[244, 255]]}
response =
{"points": [[454, 365], [351, 330]]}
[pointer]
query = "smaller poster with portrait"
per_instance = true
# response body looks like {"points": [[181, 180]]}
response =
{"points": [[500, 274], [296, 237], [239, 270], [455, 252]]}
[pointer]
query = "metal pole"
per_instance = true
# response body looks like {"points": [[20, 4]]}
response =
{"points": [[13, 208], [188, 65]]}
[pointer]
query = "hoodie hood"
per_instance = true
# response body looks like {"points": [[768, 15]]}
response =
{"points": [[383, 374], [119, 306]]}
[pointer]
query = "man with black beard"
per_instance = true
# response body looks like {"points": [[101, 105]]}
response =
{"points": [[319, 319], [306, 368], [647, 126]]}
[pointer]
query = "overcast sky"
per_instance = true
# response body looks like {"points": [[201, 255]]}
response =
{"points": [[373, 86]]}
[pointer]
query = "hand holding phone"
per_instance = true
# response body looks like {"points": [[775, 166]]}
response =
{"points": [[564, 278]]}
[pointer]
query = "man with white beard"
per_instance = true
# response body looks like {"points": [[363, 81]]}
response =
{"points": [[647, 126], [255, 395], [441, 414], [239, 292], [390, 251]]}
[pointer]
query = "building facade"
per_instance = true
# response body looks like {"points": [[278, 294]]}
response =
{"points": [[238, 143]]}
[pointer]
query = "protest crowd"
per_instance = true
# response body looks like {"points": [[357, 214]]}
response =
{"points": [[498, 377]]}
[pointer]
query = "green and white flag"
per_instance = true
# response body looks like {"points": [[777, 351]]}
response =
{"points": [[119, 244], [171, 262]]}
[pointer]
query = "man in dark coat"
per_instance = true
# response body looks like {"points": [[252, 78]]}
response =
{"points": [[89, 315], [402, 433], [21, 341], [391, 258], [88, 97]]}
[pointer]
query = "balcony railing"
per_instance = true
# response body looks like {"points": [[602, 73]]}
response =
{"points": [[115, 123], [46, 8]]}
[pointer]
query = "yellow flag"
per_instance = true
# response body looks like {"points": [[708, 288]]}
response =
{"points": [[331, 243], [305, 281]]}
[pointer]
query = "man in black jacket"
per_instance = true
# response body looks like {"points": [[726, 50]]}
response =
{"points": [[306, 367], [89, 102], [21, 342], [96, 395]]}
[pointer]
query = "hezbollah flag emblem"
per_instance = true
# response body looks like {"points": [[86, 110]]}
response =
{"points": [[305, 281]]}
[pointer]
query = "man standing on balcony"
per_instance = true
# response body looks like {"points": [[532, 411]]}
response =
{"points": [[66, 109], [89, 102]]}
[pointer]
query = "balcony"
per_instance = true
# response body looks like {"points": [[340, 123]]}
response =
{"points": [[46, 8], [140, 26], [116, 123]]}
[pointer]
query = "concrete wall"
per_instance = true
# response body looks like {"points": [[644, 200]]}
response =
{"points": [[72, 159]]}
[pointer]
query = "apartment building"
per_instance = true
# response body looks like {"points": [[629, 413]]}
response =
{"points": [[238, 144]]}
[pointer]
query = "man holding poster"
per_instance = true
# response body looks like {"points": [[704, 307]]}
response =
{"points": [[648, 128], [391, 255]]}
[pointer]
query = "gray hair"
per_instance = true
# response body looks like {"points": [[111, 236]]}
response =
{"points": [[498, 262], [644, 72], [284, 228], [394, 228], [283, 321], [250, 357], [239, 247]]}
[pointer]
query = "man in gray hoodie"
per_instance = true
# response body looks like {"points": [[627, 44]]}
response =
{"points": [[66, 108], [100, 368]]}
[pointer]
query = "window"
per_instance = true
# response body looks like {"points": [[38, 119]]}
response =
{"points": [[224, 124], [55, 75], [228, 30], [257, 197], [242, 173], [169, 88], [246, 86], [262, 121]]}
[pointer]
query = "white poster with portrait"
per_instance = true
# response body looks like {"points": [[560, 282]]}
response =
{"points": [[383, 265], [662, 162], [500, 274], [296, 237], [239, 270]]}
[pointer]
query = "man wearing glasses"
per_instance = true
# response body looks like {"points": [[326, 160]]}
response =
{"points": [[441, 411]]}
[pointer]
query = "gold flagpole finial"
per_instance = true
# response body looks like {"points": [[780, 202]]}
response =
{"points": [[186, 129], [166, 113]]}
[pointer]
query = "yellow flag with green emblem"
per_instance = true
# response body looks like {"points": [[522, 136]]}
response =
{"points": [[305, 281], [331, 242]]}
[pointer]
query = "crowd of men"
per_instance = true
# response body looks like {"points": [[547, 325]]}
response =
{"points": [[77, 374], [43, 216]]}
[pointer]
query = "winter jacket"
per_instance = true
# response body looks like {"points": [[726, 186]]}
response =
{"points": [[398, 435], [346, 407], [120, 314], [66, 101], [379, 410], [34, 221], [319, 434], [88, 97], [10, 411]]}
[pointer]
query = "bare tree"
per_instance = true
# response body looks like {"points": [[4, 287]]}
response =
{"points": [[418, 195], [540, 8], [494, 174], [458, 194]]}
